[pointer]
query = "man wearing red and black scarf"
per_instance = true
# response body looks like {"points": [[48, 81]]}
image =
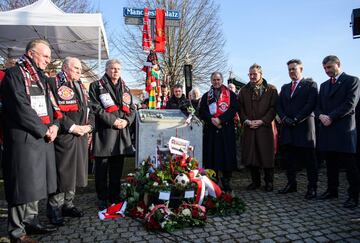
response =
{"points": [[218, 107], [71, 145], [30, 126], [111, 103]]}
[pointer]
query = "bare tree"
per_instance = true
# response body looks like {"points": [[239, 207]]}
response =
{"points": [[73, 6], [198, 39]]}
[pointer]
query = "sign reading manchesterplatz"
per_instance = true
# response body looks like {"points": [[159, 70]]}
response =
{"points": [[139, 13]]}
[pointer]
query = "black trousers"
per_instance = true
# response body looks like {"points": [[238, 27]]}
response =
{"points": [[256, 175], [298, 157], [333, 162], [108, 167]]}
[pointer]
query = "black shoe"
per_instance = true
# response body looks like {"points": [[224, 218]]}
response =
{"points": [[38, 228], [269, 187], [252, 186], [311, 193], [328, 195], [55, 216], [350, 203], [73, 212], [288, 189], [102, 205], [226, 185]]}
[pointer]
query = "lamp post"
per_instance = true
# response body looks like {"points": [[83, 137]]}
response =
{"points": [[188, 74]]}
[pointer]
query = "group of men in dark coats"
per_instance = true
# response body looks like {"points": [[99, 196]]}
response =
{"points": [[308, 121], [47, 122]]}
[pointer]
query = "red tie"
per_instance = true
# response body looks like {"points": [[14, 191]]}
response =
{"points": [[333, 80], [293, 85]]}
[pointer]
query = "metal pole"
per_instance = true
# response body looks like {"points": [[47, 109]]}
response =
{"points": [[99, 52]]}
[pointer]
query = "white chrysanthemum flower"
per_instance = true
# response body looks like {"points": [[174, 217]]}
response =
{"points": [[186, 212]]}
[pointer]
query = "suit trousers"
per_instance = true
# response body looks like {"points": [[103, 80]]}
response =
{"points": [[296, 158], [18, 214], [333, 161], [108, 167], [62, 199]]}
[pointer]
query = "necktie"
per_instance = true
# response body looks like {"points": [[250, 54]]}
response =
{"points": [[293, 85], [333, 80]]}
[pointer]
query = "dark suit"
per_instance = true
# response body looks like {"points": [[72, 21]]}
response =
{"points": [[299, 140], [338, 140]]}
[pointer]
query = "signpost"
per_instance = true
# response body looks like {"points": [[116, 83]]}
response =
{"points": [[134, 16]]}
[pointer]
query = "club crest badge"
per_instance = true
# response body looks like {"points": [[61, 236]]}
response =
{"points": [[126, 98], [223, 106], [65, 93]]}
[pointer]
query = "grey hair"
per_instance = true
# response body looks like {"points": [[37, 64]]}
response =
{"points": [[32, 44], [256, 66], [196, 93], [217, 73], [110, 62], [67, 61]]}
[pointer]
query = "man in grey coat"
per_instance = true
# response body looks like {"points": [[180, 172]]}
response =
{"points": [[111, 103], [30, 127], [338, 98]]}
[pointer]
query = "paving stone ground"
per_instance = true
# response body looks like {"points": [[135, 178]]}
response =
{"points": [[269, 217]]}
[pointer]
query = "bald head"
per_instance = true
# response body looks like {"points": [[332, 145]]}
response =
{"points": [[72, 67]]}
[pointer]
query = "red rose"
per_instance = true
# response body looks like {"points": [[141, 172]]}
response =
{"points": [[227, 197], [209, 204], [194, 213]]}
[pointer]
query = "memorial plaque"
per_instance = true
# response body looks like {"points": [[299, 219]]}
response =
{"points": [[154, 128]]}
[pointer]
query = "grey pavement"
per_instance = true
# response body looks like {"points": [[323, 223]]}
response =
{"points": [[269, 217]]}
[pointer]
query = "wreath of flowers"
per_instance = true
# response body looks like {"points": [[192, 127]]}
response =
{"points": [[142, 189]]}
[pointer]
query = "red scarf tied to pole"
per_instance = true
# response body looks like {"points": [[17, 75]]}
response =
{"points": [[146, 38]]}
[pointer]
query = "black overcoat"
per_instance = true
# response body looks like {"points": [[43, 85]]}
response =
{"points": [[29, 162], [338, 101], [109, 141], [71, 151], [300, 106], [219, 144]]}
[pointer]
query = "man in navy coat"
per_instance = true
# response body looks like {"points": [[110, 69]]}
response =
{"points": [[296, 106], [338, 98]]}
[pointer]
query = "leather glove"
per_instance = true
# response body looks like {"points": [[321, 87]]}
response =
{"points": [[289, 121]]}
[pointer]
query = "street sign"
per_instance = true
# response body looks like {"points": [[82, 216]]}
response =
{"points": [[139, 13]]}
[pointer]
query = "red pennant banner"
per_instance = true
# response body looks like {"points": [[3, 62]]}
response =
{"points": [[160, 37]]}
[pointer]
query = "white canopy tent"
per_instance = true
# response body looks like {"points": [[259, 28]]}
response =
{"points": [[79, 35]]}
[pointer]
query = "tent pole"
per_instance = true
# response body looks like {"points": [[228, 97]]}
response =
{"points": [[99, 52]]}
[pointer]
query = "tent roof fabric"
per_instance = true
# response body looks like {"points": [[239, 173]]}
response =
{"points": [[70, 34]]}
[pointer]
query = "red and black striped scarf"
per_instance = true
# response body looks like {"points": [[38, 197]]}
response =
{"points": [[31, 76]]}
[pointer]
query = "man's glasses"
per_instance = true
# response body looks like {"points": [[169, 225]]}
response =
{"points": [[44, 56]]}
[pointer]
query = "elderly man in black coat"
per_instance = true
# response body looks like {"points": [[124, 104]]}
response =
{"points": [[297, 102], [71, 145], [218, 107], [29, 130], [338, 98], [114, 112]]}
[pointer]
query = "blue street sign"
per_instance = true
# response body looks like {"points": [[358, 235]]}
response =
{"points": [[139, 13]]}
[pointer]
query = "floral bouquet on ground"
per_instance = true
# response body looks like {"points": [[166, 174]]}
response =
{"points": [[225, 205], [191, 215], [160, 217]]}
